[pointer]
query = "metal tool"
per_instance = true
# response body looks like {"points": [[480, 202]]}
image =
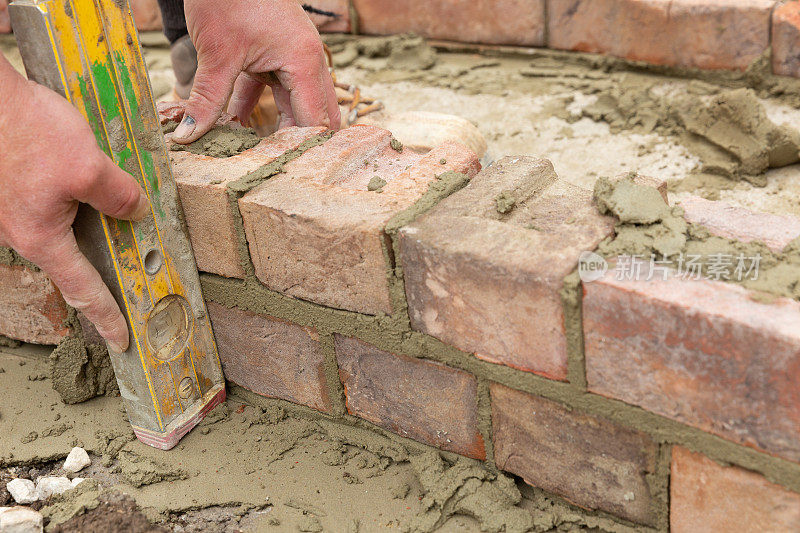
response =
{"points": [[88, 51]]}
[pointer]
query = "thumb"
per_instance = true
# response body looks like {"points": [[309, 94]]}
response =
{"points": [[213, 84], [112, 191]]}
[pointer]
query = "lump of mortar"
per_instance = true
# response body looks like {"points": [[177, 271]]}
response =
{"points": [[72, 503], [403, 52], [505, 202], [396, 145], [80, 372], [630, 202], [376, 183], [736, 122], [221, 141], [646, 222], [466, 488], [140, 471]]}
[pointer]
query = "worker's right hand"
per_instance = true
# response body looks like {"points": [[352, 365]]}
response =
{"points": [[50, 161], [245, 45]]}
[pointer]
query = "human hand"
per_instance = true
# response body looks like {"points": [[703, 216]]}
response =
{"points": [[244, 45], [50, 161]]}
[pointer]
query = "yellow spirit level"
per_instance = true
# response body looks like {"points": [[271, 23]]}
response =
{"points": [[88, 50]]}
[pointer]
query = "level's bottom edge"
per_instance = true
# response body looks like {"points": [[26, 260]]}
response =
{"points": [[167, 439]]}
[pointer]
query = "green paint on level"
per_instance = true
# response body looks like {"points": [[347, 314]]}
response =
{"points": [[91, 115]]}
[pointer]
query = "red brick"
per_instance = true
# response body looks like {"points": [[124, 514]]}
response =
{"points": [[31, 307], [5, 22], [271, 357], [724, 220], [415, 398], [146, 14], [327, 24], [202, 182], [786, 39], [709, 34], [590, 461], [517, 22], [708, 497], [700, 352], [488, 283], [315, 232]]}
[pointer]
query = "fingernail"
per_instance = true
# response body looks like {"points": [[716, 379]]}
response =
{"points": [[143, 208], [185, 128], [114, 347]]}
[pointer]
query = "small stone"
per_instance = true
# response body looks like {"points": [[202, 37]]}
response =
{"points": [[77, 460], [77, 481], [396, 145], [21, 520], [50, 485], [22, 490]]}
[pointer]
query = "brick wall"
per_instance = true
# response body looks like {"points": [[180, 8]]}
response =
{"points": [[443, 307]]}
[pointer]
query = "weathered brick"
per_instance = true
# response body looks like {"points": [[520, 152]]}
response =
{"points": [[725, 220], [590, 461], [517, 22], [488, 282], [708, 497], [146, 14], [270, 356], [315, 232], [698, 351], [326, 24], [786, 39], [202, 182], [709, 34], [31, 307], [415, 398], [5, 21]]}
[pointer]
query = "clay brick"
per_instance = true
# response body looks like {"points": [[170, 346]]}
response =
{"points": [[488, 283], [31, 307], [326, 24], [415, 398], [515, 22], [724, 220], [709, 34], [700, 352], [146, 14], [708, 497], [271, 357], [5, 21], [590, 461], [202, 182], [315, 232], [786, 39]]}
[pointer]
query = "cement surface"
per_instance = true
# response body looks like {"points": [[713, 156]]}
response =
{"points": [[253, 469]]}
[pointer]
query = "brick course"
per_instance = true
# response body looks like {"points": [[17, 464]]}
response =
{"points": [[419, 399], [517, 22], [708, 497], [708, 34], [700, 352], [271, 357], [202, 182], [31, 307], [316, 231], [488, 282]]}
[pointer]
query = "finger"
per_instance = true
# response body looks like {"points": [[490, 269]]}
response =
{"points": [[308, 98], [246, 92], [212, 87], [83, 289], [283, 103], [333, 103], [112, 191]]}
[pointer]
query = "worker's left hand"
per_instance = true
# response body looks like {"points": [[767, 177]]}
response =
{"points": [[244, 45]]}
